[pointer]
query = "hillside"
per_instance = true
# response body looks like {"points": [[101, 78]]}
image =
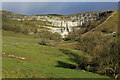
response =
{"points": [[24, 58], [102, 42], [109, 26], [33, 46], [60, 24]]}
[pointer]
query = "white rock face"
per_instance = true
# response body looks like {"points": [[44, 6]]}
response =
{"points": [[62, 31], [63, 25]]}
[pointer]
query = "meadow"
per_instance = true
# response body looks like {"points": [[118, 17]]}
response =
{"points": [[40, 61]]}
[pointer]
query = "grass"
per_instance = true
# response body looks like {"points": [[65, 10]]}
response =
{"points": [[40, 61], [107, 28], [110, 25], [14, 34]]}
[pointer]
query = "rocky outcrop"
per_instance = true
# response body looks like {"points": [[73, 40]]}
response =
{"points": [[65, 25], [13, 56], [62, 24]]}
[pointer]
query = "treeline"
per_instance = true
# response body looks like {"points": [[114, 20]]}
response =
{"points": [[14, 28]]}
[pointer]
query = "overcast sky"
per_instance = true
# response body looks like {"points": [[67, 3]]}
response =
{"points": [[60, 0]]}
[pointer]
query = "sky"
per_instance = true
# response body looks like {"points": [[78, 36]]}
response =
{"points": [[60, 0], [56, 1]]}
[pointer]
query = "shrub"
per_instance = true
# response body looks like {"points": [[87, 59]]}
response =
{"points": [[44, 42]]}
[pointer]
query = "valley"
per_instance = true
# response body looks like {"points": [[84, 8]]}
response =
{"points": [[60, 46]]}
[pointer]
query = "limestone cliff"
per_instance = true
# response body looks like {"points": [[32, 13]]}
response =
{"points": [[63, 24]]}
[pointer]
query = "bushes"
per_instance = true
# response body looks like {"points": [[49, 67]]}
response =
{"points": [[47, 42], [105, 51], [44, 42], [109, 60], [76, 34], [50, 36], [83, 62], [10, 27], [57, 37], [14, 28], [89, 42]]}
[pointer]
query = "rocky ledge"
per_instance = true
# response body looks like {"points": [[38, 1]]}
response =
{"points": [[64, 24]]}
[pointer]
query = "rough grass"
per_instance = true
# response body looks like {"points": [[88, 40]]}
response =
{"points": [[13, 34], [111, 25], [40, 61]]}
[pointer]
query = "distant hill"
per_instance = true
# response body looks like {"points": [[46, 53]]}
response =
{"points": [[62, 24]]}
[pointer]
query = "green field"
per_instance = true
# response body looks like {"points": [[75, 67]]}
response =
{"points": [[41, 61]]}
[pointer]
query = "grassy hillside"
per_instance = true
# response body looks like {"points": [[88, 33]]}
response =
{"points": [[40, 61], [110, 26], [25, 57], [29, 28], [102, 42]]}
